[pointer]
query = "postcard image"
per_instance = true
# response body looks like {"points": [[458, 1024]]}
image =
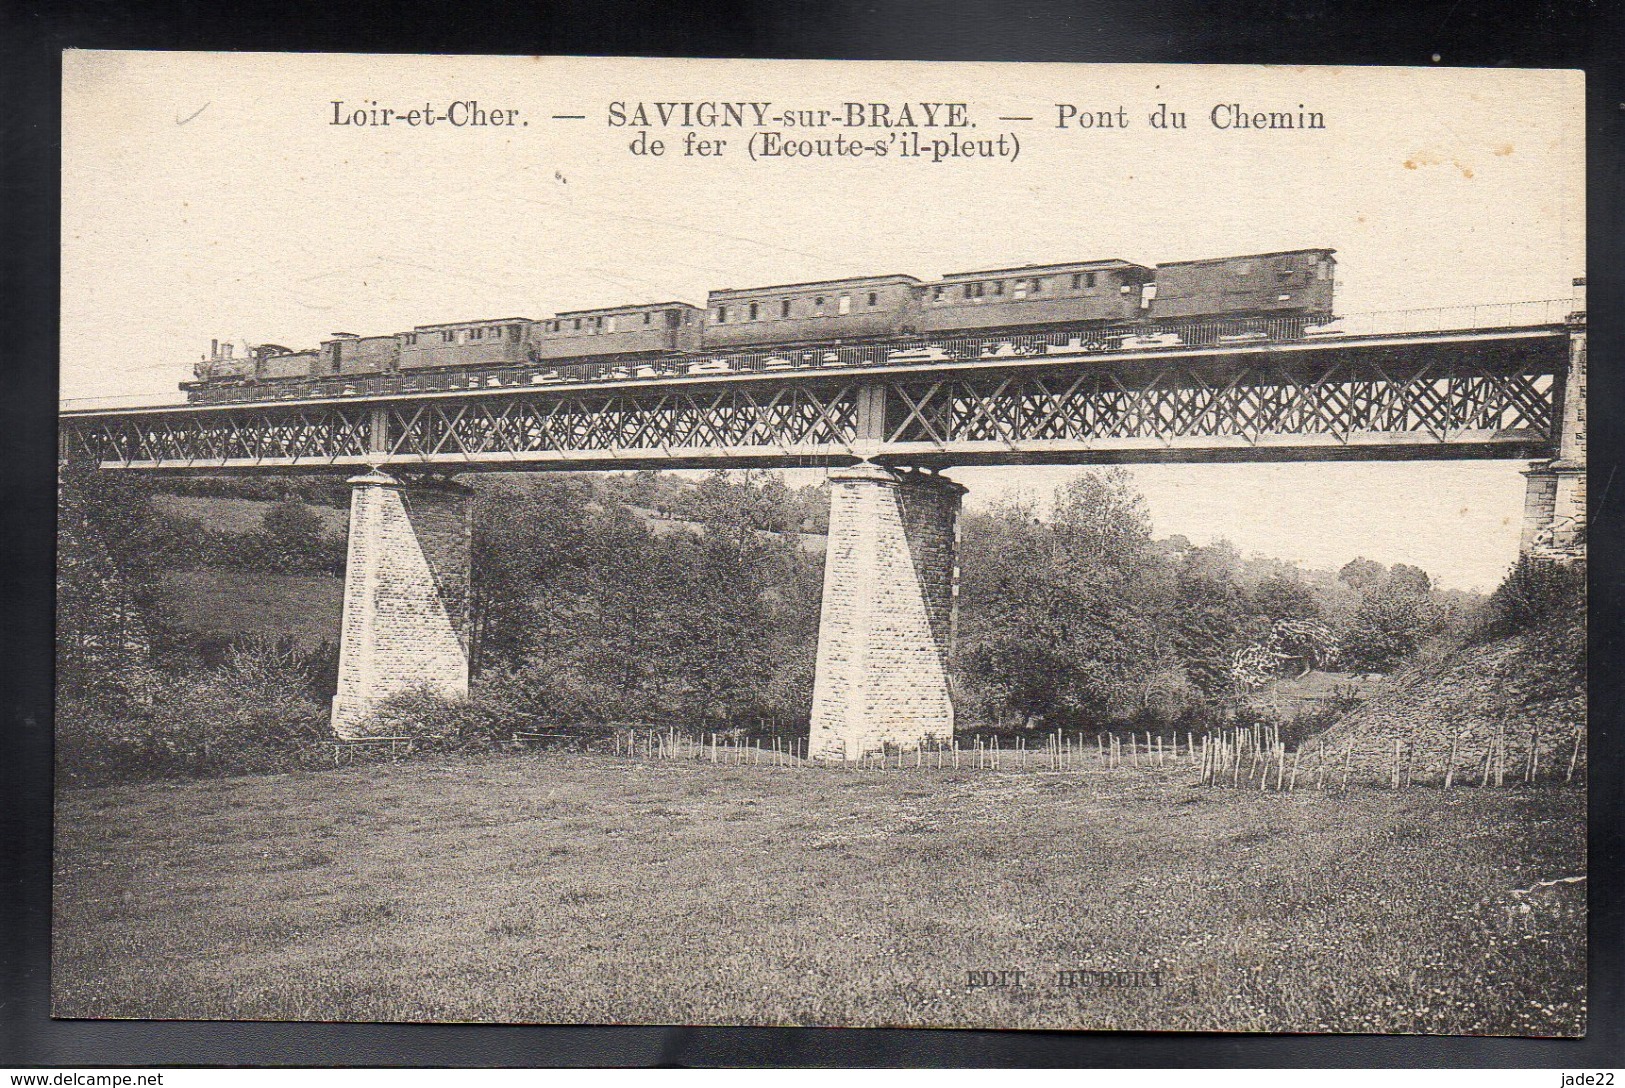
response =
{"points": [[588, 540]]}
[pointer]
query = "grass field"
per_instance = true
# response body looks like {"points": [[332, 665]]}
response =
{"points": [[577, 888]]}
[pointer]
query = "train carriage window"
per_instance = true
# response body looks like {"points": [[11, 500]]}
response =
{"points": [[1241, 268], [722, 315], [755, 311], [1077, 280], [476, 334], [578, 325], [648, 317], [411, 339], [937, 293], [784, 308], [1038, 285], [845, 306], [998, 287], [609, 324], [448, 337], [874, 298], [515, 332]]}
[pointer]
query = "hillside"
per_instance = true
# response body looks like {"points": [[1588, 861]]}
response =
{"points": [[234, 515], [214, 604], [1511, 690]]}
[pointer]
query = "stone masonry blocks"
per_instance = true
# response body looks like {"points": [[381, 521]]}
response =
{"points": [[1554, 507], [406, 595], [886, 630]]}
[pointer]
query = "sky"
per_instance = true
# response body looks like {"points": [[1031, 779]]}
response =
{"points": [[210, 196]]}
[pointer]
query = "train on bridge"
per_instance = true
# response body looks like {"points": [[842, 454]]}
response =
{"points": [[1076, 308]]}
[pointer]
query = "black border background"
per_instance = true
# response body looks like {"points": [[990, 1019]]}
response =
{"points": [[1585, 34]]}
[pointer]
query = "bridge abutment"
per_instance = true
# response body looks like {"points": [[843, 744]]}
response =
{"points": [[1554, 506], [886, 630], [406, 595]]}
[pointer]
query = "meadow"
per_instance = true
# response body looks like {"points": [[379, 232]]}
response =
{"points": [[552, 887]]}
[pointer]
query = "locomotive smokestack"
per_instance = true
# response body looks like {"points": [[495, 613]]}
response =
{"points": [[214, 349]]}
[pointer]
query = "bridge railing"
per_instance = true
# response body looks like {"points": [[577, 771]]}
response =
{"points": [[1494, 315], [128, 400], [1149, 337]]}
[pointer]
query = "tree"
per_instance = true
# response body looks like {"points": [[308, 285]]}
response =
{"points": [[1279, 597], [1210, 616], [292, 538], [1362, 573], [1059, 618]]}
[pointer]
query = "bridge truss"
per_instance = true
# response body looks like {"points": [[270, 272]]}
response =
{"points": [[1471, 393]]}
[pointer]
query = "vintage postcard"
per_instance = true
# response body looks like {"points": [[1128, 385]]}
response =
{"points": [[592, 540]]}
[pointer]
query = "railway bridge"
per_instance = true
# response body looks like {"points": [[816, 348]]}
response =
{"points": [[1506, 384]]}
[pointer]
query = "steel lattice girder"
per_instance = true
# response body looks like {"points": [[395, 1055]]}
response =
{"points": [[1413, 401], [1476, 402]]}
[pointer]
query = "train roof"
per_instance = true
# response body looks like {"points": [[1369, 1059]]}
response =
{"points": [[1030, 269], [1252, 256], [629, 308], [856, 281], [466, 324]]}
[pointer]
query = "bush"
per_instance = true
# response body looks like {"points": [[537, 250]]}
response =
{"points": [[252, 714], [436, 721], [1534, 593]]}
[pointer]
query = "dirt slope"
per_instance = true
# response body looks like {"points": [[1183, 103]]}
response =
{"points": [[1508, 692]]}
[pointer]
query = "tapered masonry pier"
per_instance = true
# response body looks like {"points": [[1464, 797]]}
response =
{"points": [[406, 595], [1554, 508], [885, 636]]}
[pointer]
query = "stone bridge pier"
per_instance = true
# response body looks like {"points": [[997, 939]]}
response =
{"points": [[885, 635], [406, 594], [1554, 506]]}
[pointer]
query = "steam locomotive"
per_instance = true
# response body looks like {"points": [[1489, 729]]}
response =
{"points": [[875, 320]]}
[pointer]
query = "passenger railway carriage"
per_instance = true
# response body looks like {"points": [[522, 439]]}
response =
{"points": [[867, 320], [1296, 281], [458, 344], [1042, 295], [867, 308], [620, 330]]}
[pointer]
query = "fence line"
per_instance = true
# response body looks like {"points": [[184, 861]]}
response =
{"points": [[1247, 757]]}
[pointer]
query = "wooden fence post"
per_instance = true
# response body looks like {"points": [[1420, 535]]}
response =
{"points": [[1450, 769]]}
